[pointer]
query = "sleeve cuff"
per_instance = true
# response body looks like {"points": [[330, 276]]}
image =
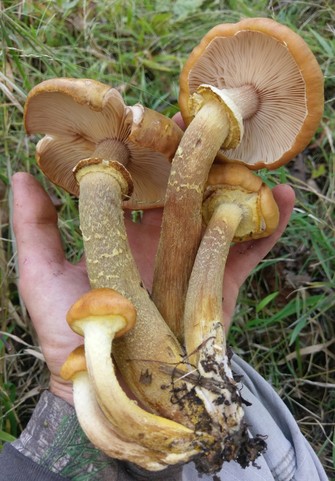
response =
{"points": [[54, 440]]}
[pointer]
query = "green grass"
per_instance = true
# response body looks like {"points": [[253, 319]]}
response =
{"points": [[284, 322]]}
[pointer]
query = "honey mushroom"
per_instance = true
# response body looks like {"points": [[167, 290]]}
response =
{"points": [[97, 427], [92, 143]]}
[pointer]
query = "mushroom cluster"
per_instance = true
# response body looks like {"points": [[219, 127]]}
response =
{"points": [[251, 96]]}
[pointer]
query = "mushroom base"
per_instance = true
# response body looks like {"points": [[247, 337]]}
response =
{"points": [[216, 388], [238, 447], [233, 440]]}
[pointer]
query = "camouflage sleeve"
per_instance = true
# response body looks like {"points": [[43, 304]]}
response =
{"points": [[54, 440]]}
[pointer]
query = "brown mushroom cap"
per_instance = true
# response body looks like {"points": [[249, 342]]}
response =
{"points": [[74, 364], [76, 115], [101, 303], [280, 68], [239, 186]]}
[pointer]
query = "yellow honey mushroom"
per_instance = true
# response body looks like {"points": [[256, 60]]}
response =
{"points": [[112, 156], [237, 207]]}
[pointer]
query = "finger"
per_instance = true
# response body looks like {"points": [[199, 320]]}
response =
{"points": [[48, 284], [244, 257], [247, 255], [179, 120], [35, 224]]}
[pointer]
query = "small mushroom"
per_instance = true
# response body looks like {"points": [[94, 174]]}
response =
{"points": [[112, 149], [251, 90], [100, 315], [237, 207], [96, 426]]}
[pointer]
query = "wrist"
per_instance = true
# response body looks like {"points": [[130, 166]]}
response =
{"points": [[54, 440], [61, 389]]}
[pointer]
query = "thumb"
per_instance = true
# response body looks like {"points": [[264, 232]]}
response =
{"points": [[244, 257], [35, 224]]}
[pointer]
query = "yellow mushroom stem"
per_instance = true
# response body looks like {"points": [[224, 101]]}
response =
{"points": [[203, 306], [205, 338], [239, 207], [128, 419]]}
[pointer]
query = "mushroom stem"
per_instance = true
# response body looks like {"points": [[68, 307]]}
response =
{"points": [[100, 432], [206, 341], [245, 98], [108, 256], [181, 224], [203, 306], [112, 149], [150, 344], [238, 206]]}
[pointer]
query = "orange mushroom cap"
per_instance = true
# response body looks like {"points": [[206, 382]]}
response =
{"points": [[74, 364], [101, 303], [235, 184]]}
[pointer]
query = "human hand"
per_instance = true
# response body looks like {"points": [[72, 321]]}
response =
{"points": [[49, 284]]}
